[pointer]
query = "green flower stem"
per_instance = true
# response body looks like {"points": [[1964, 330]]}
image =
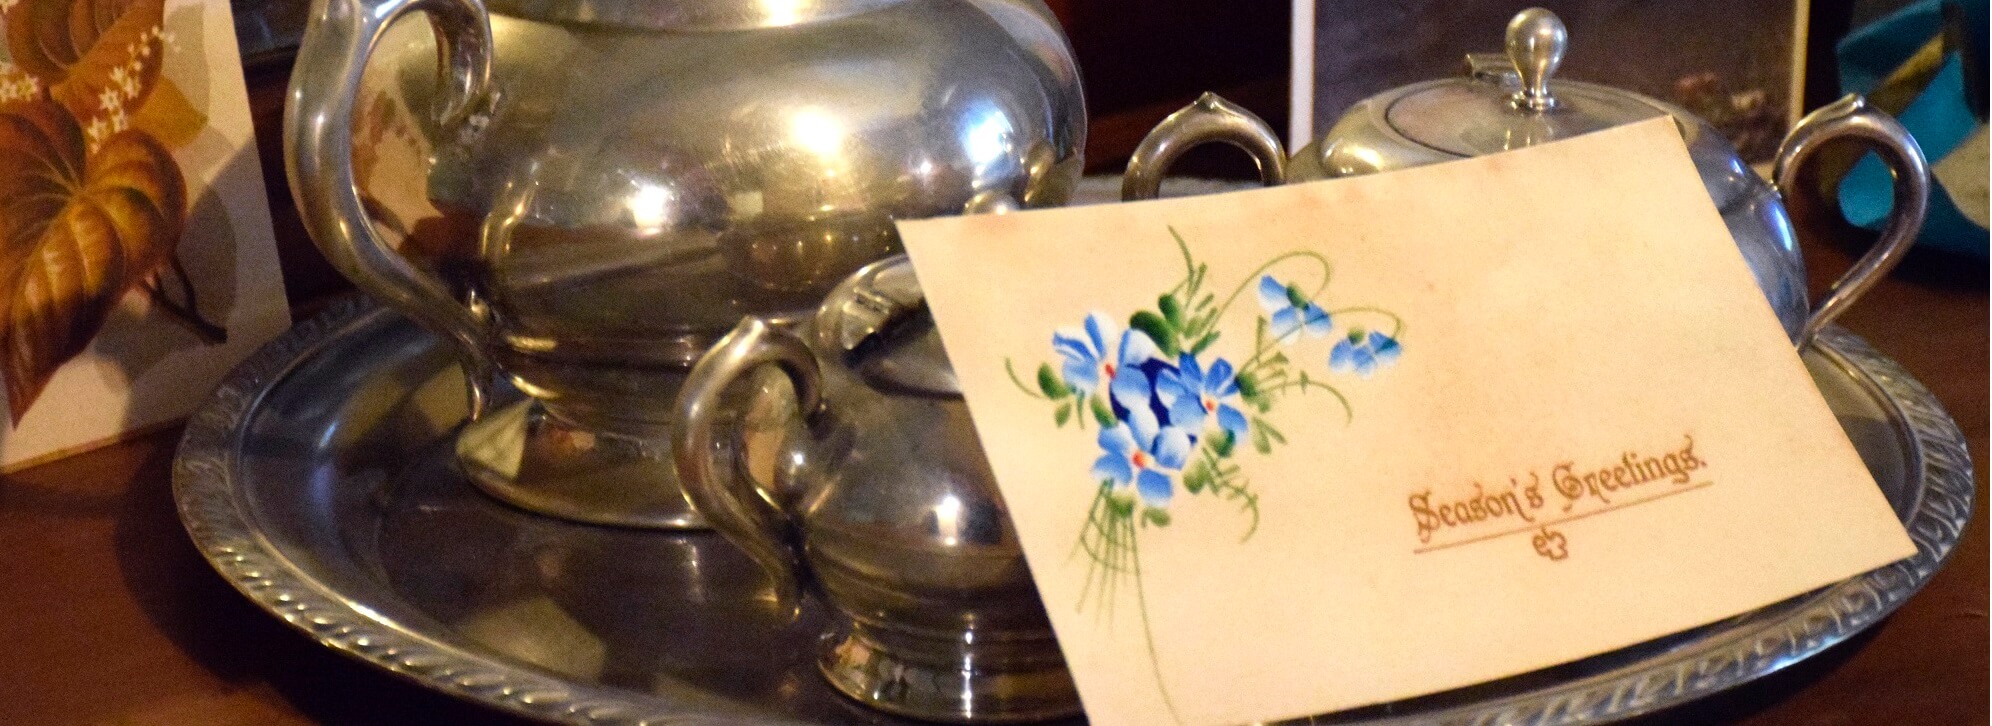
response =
{"points": [[1348, 413], [1224, 486], [1093, 565], [1260, 349], [1124, 546], [1148, 632], [1223, 482], [1397, 323], [1008, 368], [1190, 281], [1327, 271]]}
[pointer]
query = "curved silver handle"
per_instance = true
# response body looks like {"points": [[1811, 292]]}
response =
{"points": [[707, 458], [1209, 118], [318, 153], [1852, 118]]}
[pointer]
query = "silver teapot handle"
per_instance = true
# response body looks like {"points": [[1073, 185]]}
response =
{"points": [[1853, 118], [318, 153], [707, 457], [1209, 118]]}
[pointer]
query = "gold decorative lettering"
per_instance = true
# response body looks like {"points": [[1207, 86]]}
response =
{"points": [[1609, 485]]}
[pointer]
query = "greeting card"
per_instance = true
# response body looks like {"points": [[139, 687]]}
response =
{"points": [[136, 257], [1288, 451]]}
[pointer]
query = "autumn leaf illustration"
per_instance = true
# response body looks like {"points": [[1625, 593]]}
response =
{"points": [[76, 234], [98, 58]]}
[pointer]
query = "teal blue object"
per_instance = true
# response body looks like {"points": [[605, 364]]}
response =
{"points": [[1869, 54], [1939, 119]]}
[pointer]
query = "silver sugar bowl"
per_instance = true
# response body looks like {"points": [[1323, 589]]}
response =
{"points": [[882, 503], [619, 182], [1510, 102]]}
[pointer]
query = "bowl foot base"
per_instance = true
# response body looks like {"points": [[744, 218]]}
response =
{"points": [[947, 680], [524, 457]]}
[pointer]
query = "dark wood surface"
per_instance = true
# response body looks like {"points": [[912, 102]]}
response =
{"points": [[108, 615]]}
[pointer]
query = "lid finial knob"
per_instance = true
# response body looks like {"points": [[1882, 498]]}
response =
{"points": [[1536, 40]]}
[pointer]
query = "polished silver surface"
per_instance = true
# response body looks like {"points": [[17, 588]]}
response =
{"points": [[881, 504], [599, 189], [523, 455], [318, 481], [1851, 118], [1536, 42], [1209, 118], [1502, 104]]}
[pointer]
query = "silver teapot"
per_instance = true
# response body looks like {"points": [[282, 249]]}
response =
{"points": [[882, 503], [1511, 102], [618, 182]]}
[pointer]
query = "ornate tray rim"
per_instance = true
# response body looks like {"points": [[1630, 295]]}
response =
{"points": [[204, 490]]}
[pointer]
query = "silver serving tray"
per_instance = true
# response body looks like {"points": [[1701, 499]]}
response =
{"points": [[319, 482]]}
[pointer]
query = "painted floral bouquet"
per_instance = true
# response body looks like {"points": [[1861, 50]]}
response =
{"points": [[1172, 408]]}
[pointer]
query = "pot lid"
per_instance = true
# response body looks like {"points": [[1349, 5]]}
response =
{"points": [[876, 324], [1510, 102]]}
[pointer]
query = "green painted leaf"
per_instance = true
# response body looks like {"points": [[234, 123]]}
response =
{"points": [[1063, 414], [1259, 440], [1224, 442], [1049, 383], [1196, 476], [1157, 517], [1248, 386], [1204, 342], [1158, 330], [1102, 412], [1295, 296], [1172, 311], [1120, 507]]}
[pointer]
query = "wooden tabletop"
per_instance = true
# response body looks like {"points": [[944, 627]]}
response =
{"points": [[108, 615]]}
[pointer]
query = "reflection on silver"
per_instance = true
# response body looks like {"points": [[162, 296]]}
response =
{"points": [[614, 183], [367, 541], [886, 508], [1502, 104], [947, 528]]}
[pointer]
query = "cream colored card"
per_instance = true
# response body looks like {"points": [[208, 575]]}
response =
{"points": [[1289, 451]]}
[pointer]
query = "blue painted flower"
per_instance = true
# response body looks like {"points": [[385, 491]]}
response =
{"points": [[1363, 352], [1085, 350], [1292, 312], [1140, 455], [1193, 395]]}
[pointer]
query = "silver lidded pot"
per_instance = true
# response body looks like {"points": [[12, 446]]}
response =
{"points": [[882, 504], [621, 181], [1514, 101]]}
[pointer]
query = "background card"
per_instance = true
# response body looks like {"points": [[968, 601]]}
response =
{"points": [[1288, 451], [136, 258]]}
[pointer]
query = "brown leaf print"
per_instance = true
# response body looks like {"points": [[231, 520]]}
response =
{"points": [[98, 58], [76, 234]]}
